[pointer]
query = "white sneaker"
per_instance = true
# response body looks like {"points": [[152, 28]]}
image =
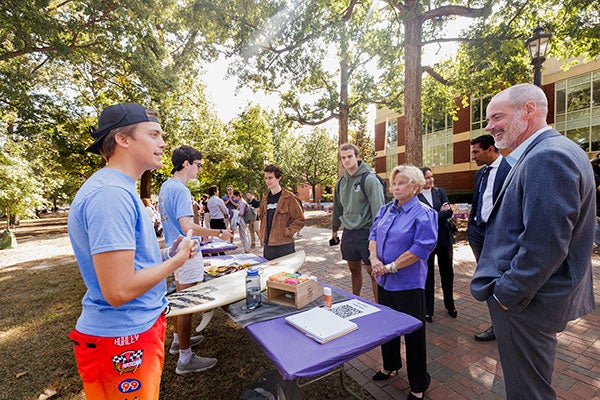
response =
{"points": [[194, 341], [196, 364]]}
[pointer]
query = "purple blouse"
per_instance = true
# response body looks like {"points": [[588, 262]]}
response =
{"points": [[413, 226]]}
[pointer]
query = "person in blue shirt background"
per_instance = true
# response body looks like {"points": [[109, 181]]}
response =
{"points": [[230, 201], [403, 234]]}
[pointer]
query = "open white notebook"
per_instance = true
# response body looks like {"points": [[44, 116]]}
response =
{"points": [[320, 324]]}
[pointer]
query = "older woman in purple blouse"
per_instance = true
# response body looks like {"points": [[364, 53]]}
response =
{"points": [[403, 234]]}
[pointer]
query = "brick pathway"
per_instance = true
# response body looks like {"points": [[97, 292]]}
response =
{"points": [[461, 368]]}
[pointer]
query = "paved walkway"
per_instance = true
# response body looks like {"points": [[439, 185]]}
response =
{"points": [[461, 368]]}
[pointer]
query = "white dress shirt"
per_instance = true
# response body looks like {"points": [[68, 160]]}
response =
{"points": [[487, 201], [428, 196]]}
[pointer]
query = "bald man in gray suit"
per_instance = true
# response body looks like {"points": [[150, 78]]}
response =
{"points": [[534, 271]]}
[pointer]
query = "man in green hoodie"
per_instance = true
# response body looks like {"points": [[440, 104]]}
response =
{"points": [[354, 208]]}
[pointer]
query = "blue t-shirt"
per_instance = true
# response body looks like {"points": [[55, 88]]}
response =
{"points": [[174, 202], [107, 214], [412, 226]]}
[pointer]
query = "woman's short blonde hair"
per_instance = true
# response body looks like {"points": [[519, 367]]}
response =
{"points": [[410, 172]]}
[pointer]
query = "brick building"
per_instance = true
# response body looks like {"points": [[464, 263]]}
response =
{"points": [[573, 109]]}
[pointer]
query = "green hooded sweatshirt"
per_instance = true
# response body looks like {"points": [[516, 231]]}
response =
{"points": [[350, 206]]}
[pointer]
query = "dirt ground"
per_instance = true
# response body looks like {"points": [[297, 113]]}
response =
{"points": [[44, 239]]}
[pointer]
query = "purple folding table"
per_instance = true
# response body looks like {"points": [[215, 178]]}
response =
{"points": [[216, 245], [298, 356], [240, 258]]}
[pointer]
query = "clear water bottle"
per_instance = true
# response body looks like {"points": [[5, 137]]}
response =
{"points": [[253, 299]]}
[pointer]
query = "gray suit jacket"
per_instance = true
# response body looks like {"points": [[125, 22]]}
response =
{"points": [[536, 257]]}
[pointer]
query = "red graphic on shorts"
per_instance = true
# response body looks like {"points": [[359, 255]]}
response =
{"points": [[128, 361]]}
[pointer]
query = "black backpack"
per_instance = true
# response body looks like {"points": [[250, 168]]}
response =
{"points": [[362, 184], [271, 386], [380, 179]]}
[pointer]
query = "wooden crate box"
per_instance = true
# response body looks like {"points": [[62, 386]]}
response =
{"points": [[294, 295]]}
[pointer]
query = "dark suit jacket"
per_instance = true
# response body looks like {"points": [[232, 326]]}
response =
{"points": [[536, 257], [445, 237], [503, 170]]}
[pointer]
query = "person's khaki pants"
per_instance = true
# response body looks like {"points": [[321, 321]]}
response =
{"points": [[253, 228]]}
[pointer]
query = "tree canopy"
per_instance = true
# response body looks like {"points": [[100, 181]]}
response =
{"points": [[317, 55], [61, 63]]}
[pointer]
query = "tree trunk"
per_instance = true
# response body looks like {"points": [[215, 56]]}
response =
{"points": [[344, 107], [412, 91], [146, 185]]}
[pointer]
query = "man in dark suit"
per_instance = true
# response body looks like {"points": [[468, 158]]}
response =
{"points": [[437, 199], [534, 271], [488, 181]]}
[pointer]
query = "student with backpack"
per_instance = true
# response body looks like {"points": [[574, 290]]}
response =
{"points": [[253, 227], [358, 196], [244, 215]]}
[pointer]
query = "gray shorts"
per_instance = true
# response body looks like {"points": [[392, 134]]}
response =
{"points": [[355, 245]]}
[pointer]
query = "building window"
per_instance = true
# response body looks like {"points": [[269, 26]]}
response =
{"points": [[391, 131], [437, 141], [391, 148], [478, 123], [578, 110], [391, 160]]}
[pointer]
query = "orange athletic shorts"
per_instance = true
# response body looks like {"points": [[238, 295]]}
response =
{"points": [[121, 368]]}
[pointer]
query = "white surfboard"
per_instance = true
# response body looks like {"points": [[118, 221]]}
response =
{"points": [[228, 289]]}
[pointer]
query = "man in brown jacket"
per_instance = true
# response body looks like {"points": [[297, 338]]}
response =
{"points": [[281, 216]]}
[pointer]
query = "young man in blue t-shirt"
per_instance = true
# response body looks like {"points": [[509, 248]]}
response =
{"points": [[119, 337], [177, 215]]}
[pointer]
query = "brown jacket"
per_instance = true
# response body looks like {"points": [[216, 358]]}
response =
{"points": [[288, 219]]}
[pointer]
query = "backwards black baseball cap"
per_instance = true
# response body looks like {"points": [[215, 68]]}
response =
{"points": [[117, 116]]}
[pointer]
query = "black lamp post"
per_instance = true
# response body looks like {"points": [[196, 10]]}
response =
{"points": [[538, 47]]}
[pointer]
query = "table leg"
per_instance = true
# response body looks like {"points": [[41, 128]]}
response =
{"points": [[302, 382], [346, 388]]}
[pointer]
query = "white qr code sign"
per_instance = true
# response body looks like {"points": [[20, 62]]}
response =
{"points": [[351, 309]]}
